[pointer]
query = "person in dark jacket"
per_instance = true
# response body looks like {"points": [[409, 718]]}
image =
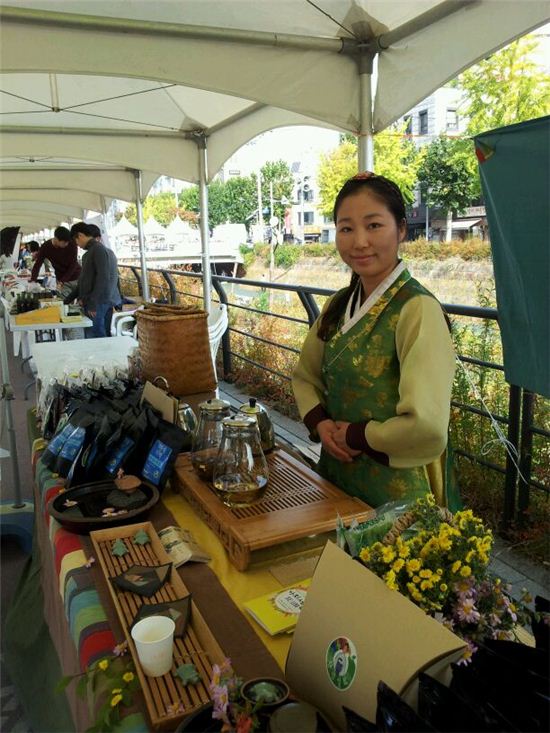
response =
{"points": [[98, 289], [62, 252]]}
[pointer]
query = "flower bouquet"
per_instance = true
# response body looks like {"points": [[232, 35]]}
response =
{"points": [[440, 562]]}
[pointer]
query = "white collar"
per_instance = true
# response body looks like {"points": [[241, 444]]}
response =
{"points": [[349, 319]]}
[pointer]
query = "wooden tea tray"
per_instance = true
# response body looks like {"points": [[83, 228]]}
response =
{"points": [[168, 701], [298, 503]]}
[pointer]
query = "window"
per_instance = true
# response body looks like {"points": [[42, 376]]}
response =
{"points": [[423, 122], [408, 124], [451, 119], [308, 195], [308, 217]]}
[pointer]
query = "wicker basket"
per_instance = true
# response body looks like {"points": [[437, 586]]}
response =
{"points": [[406, 520], [174, 343]]}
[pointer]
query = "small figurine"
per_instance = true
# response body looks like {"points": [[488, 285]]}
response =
{"points": [[69, 503], [141, 538], [119, 548], [188, 674]]}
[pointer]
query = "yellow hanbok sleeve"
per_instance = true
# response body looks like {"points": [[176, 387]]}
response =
{"points": [[307, 381], [417, 435]]}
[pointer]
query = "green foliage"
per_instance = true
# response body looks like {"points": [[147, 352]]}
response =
{"points": [[505, 88], [315, 249], [111, 683], [469, 249], [287, 255], [279, 174], [161, 206], [448, 172], [394, 157]]}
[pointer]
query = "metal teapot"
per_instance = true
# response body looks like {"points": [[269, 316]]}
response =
{"points": [[267, 433]]}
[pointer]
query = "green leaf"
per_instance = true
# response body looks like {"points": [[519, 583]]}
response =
{"points": [[81, 686], [63, 683]]}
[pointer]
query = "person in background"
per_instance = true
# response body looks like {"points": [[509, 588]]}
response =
{"points": [[97, 289], [62, 252], [374, 378], [24, 256]]}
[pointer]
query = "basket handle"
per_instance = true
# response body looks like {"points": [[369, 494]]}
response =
{"points": [[165, 386]]}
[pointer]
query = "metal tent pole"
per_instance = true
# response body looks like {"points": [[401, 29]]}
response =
{"points": [[365, 147], [203, 217], [141, 237], [6, 395]]}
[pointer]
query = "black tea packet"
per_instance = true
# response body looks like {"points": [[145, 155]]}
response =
{"points": [[145, 580], [179, 611], [167, 443]]}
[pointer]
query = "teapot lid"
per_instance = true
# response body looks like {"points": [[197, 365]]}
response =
{"points": [[214, 405], [239, 421], [252, 407]]}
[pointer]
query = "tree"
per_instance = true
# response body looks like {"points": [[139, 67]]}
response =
{"points": [[279, 174], [505, 88], [394, 157], [448, 175]]}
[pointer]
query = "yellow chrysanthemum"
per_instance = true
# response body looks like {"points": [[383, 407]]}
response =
{"points": [[388, 554], [425, 573], [443, 587], [365, 554], [116, 691], [413, 565], [455, 567], [103, 665], [128, 676], [116, 700], [466, 571], [398, 565]]}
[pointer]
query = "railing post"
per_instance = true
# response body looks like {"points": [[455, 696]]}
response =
{"points": [[138, 278], [310, 306], [226, 338], [171, 285], [525, 454], [510, 482]]}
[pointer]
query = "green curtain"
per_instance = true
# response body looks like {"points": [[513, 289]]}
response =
{"points": [[514, 165]]}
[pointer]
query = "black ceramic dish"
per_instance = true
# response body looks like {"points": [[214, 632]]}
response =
{"points": [[87, 513]]}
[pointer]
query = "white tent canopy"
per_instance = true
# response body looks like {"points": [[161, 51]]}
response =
{"points": [[123, 228], [165, 73], [178, 226], [82, 199], [152, 228]]}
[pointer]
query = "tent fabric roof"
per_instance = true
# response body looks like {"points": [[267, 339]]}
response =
{"points": [[123, 227], [465, 223], [135, 95], [178, 226], [152, 227]]}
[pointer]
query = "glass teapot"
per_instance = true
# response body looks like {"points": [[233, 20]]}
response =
{"points": [[240, 472], [208, 436]]}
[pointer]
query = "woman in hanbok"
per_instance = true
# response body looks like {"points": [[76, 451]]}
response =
{"points": [[373, 383]]}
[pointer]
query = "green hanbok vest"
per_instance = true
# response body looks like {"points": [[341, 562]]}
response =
{"points": [[361, 373]]}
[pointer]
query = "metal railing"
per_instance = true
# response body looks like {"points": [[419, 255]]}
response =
{"points": [[519, 422]]}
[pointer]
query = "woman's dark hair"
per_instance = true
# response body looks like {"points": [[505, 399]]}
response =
{"points": [[389, 193]]}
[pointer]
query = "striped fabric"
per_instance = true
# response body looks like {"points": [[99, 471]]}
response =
{"points": [[86, 617]]}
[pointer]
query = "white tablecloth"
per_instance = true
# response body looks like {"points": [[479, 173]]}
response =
{"points": [[54, 358]]}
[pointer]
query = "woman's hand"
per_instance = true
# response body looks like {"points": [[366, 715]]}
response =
{"points": [[328, 430], [339, 437]]}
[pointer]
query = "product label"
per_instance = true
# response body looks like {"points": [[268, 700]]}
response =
{"points": [[118, 455], [73, 444], [158, 457], [290, 600], [58, 440], [341, 662]]}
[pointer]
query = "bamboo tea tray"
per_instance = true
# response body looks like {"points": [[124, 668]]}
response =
{"points": [[168, 701], [297, 505]]}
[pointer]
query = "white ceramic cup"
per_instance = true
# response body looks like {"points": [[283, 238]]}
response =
{"points": [[154, 640]]}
